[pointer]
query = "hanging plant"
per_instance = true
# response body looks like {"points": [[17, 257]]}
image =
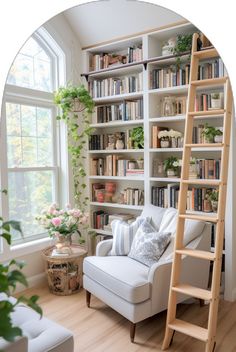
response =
{"points": [[183, 44], [76, 106]]}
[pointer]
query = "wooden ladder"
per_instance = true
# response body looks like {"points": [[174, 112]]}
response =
{"points": [[207, 335]]}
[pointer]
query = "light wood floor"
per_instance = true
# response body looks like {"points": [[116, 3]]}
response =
{"points": [[99, 328]]}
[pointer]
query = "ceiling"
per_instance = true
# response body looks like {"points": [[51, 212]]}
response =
{"points": [[104, 20]]}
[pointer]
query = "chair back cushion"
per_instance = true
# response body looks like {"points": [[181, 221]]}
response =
{"points": [[123, 235], [155, 213], [148, 244]]}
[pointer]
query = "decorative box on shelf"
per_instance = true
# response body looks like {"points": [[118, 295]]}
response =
{"points": [[64, 271]]}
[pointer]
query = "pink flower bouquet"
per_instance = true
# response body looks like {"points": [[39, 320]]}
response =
{"points": [[62, 222]]}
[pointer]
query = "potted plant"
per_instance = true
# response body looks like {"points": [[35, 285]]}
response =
{"points": [[172, 166], [183, 45], [10, 276], [215, 101], [213, 197], [62, 224], [210, 133], [140, 163], [168, 46], [76, 106], [137, 137]]}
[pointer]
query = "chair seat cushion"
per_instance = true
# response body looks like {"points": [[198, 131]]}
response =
{"points": [[123, 276]]}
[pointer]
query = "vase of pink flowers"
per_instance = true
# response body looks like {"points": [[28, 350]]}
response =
{"points": [[61, 224]]}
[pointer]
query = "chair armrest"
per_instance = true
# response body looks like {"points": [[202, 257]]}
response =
{"points": [[103, 248], [157, 268]]}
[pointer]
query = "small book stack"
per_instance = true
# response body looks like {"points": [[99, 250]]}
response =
{"points": [[211, 69], [133, 196], [203, 102]]}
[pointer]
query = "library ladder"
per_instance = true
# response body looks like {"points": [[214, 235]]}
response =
{"points": [[207, 335]]}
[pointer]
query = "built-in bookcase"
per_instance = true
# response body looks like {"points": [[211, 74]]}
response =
{"points": [[152, 113]]}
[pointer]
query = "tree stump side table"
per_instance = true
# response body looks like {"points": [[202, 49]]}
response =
{"points": [[64, 273]]}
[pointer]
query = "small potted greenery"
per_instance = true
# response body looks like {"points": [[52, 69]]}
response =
{"points": [[213, 197], [172, 166], [140, 163], [210, 133], [215, 101], [183, 45], [137, 137]]}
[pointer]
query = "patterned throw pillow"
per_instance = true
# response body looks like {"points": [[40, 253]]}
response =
{"points": [[148, 245], [123, 235]]}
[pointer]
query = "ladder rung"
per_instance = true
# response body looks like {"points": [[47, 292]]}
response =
{"points": [[206, 54], [209, 82], [196, 253], [193, 291], [207, 182], [199, 217], [207, 112], [205, 145], [189, 329]]}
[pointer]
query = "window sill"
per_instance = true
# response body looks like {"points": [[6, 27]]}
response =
{"points": [[22, 249]]}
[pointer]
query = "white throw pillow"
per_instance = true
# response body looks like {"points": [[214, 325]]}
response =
{"points": [[148, 244], [155, 213], [123, 235]]}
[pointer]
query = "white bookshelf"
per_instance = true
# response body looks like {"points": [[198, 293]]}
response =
{"points": [[152, 58]]}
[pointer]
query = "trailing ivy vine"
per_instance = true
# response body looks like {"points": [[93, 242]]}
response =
{"points": [[76, 106]]}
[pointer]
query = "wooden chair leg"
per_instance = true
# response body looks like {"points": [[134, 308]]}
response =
{"points": [[88, 297], [201, 302], [132, 331]]}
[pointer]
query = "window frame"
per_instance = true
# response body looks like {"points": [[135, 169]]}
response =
{"points": [[33, 97]]}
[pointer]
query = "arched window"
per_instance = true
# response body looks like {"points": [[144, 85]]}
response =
{"points": [[31, 134]]}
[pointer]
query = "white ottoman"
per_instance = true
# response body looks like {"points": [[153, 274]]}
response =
{"points": [[43, 335]]}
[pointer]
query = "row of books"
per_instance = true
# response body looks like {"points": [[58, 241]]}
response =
{"points": [[206, 169], [114, 165], [116, 85], [169, 77], [133, 196], [125, 111], [167, 196], [203, 102], [102, 220], [105, 60], [109, 141], [211, 69]]}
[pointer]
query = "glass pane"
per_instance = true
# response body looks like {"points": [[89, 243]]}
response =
{"points": [[29, 193], [32, 68], [29, 136]]}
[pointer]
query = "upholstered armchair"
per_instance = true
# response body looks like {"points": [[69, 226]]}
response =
{"points": [[135, 290]]}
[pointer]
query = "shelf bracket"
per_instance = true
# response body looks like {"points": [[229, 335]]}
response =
{"points": [[85, 75], [145, 66]]}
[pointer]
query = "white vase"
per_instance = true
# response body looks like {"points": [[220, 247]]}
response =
{"points": [[215, 103], [218, 139], [165, 144], [171, 173], [119, 144]]}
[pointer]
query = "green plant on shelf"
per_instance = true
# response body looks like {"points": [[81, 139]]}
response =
{"points": [[137, 137], [210, 132], [212, 195], [76, 106], [183, 44], [172, 163]]}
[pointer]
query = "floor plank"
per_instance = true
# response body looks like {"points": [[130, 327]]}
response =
{"points": [[100, 329]]}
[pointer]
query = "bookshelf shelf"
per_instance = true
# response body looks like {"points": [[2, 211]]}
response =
{"points": [[119, 97], [117, 123], [117, 70], [169, 90], [113, 151], [165, 179], [165, 150], [102, 232], [116, 205], [168, 119], [118, 178]]}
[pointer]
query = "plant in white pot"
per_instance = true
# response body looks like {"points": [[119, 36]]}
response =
{"points": [[164, 137], [216, 101], [172, 166], [213, 197], [174, 136], [212, 134]]}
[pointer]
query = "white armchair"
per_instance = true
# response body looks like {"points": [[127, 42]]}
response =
{"points": [[135, 290]]}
